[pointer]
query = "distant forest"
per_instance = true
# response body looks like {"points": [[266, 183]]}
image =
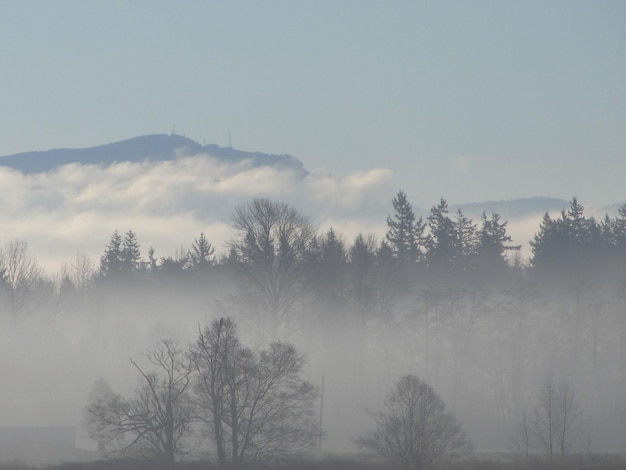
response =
{"points": [[446, 298]]}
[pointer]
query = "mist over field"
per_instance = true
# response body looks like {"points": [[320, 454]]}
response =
{"points": [[366, 289], [313, 235]]}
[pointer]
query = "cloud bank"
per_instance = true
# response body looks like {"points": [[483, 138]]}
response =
{"points": [[168, 204], [76, 208]]}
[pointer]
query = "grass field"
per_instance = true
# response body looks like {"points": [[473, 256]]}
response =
{"points": [[500, 462]]}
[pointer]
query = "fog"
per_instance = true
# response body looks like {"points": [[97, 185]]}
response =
{"points": [[50, 364], [484, 339]]}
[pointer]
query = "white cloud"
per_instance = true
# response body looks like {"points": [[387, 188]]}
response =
{"points": [[76, 208], [523, 230]]}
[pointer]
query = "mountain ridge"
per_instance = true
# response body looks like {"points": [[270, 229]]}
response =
{"points": [[154, 147], [164, 147]]}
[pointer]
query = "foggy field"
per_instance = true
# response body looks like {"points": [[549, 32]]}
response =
{"points": [[313, 235], [604, 462], [530, 359]]}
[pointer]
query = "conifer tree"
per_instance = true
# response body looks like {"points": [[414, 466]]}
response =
{"points": [[466, 243], [111, 261], [442, 238], [405, 234], [493, 244], [201, 254], [362, 268], [131, 256], [329, 273]]}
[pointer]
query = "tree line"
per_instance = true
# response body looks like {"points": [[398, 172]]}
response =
{"points": [[253, 406]]}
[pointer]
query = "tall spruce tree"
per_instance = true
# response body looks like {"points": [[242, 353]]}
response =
{"points": [[466, 243], [405, 234], [111, 262], [361, 274], [201, 255], [131, 256], [442, 238], [493, 245]]}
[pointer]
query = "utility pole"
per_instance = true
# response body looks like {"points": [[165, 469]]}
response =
{"points": [[319, 445]]}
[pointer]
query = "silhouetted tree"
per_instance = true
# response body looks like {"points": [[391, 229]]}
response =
{"points": [[620, 227], [405, 235], [201, 255], [271, 247], [442, 239], [75, 286], [567, 247], [614, 234], [131, 255], [254, 404], [416, 432], [174, 267], [23, 288], [111, 262], [362, 274], [557, 423], [493, 245], [327, 268], [466, 245], [387, 291], [157, 419]]}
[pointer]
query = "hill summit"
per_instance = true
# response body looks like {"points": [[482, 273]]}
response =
{"points": [[156, 147]]}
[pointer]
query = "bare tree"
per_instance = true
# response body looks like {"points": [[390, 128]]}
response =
{"points": [[212, 357], [557, 424], [81, 271], [255, 405], [416, 432], [569, 436], [74, 282], [23, 288], [521, 439], [156, 419], [271, 245]]}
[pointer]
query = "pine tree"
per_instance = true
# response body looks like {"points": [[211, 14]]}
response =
{"points": [[201, 255], [442, 238], [466, 243], [362, 269], [405, 234], [331, 269], [569, 245], [545, 242], [619, 235], [131, 256], [620, 227], [493, 244], [111, 262]]}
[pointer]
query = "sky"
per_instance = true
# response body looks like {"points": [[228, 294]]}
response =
{"points": [[471, 101]]}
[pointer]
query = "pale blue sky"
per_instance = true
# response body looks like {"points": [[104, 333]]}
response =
{"points": [[470, 100]]}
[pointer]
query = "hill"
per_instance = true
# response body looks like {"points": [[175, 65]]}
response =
{"points": [[157, 147]]}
